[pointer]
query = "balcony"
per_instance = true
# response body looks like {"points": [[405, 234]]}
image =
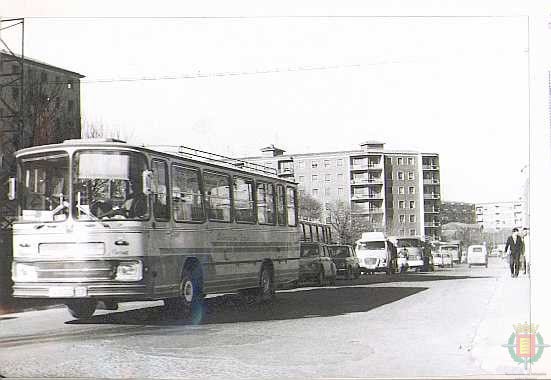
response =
{"points": [[358, 197], [432, 210], [431, 196], [367, 211], [431, 181], [432, 224], [366, 181], [285, 172], [430, 167], [368, 166]]}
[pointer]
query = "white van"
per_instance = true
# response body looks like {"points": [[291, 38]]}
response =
{"points": [[374, 253], [477, 255]]}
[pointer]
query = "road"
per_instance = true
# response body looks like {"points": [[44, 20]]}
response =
{"points": [[448, 322]]}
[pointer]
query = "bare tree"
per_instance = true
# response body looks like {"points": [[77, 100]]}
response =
{"points": [[348, 227], [98, 130], [309, 208]]}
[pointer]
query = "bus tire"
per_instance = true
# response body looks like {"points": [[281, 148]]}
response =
{"points": [[82, 309], [191, 292], [266, 286]]}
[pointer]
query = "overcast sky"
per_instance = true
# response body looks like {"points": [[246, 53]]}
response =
{"points": [[457, 86]]}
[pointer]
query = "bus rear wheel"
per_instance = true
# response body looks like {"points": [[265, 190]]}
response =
{"points": [[82, 309], [191, 293], [266, 286]]}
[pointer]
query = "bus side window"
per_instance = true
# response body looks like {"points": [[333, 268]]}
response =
{"points": [[280, 195], [243, 200], [265, 203], [187, 200], [291, 207], [159, 189], [217, 196]]}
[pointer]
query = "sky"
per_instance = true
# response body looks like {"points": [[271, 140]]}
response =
{"points": [[237, 79]]}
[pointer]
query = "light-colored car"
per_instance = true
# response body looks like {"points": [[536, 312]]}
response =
{"points": [[477, 255], [315, 264], [442, 259], [375, 253]]}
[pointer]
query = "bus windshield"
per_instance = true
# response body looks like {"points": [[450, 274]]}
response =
{"points": [[43, 182], [108, 185]]}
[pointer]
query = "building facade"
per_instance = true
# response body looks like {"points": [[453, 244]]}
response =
{"points": [[395, 191], [497, 216], [459, 212], [39, 104]]}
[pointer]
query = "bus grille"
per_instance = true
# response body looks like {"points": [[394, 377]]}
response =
{"points": [[74, 271]]}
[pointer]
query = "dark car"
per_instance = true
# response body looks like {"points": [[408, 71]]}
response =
{"points": [[346, 261], [316, 264]]}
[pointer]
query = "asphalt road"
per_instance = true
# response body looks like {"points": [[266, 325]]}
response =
{"points": [[448, 322]]}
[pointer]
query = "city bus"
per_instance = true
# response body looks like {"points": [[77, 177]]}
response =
{"points": [[103, 220]]}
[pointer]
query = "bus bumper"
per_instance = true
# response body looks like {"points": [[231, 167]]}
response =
{"points": [[67, 290]]}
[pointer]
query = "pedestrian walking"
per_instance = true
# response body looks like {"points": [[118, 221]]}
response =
{"points": [[516, 249], [525, 258]]}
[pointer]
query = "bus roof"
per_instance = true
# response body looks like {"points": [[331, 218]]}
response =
{"points": [[180, 151]]}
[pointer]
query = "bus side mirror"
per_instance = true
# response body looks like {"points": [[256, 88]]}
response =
{"points": [[11, 188], [146, 181]]}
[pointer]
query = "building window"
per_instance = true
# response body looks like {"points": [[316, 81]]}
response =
{"points": [[411, 204], [412, 232], [412, 190], [301, 164], [327, 191], [412, 218], [315, 192], [314, 177], [314, 164], [400, 161], [411, 176], [69, 84], [402, 219], [410, 161], [301, 179], [401, 232], [401, 190], [326, 163], [340, 191], [340, 177], [401, 204], [328, 178], [400, 175], [339, 162]]}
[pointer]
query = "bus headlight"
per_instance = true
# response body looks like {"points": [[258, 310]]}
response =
{"points": [[129, 271], [23, 272]]}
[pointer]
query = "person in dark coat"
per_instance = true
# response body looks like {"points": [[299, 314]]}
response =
{"points": [[516, 246]]}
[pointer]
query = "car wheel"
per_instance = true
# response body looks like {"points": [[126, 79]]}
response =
{"points": [[82, 309]]}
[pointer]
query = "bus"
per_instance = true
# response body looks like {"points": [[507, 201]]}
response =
{"points": [[103, 220]]}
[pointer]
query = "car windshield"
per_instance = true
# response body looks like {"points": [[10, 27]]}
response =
{"points": [[372, 245], [408, 243], [448, 249], [307, 250], [340, 252], [477, 249], [108, 185], [43, 187]]}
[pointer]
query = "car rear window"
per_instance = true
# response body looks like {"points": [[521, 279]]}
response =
{"points": [[476, 249]]}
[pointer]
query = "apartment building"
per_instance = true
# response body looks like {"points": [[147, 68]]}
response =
{"points": [[497, 216], [396, 191]]}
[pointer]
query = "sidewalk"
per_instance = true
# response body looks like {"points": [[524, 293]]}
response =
{"points": [[510, 305]]}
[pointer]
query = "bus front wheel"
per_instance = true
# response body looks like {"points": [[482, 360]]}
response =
{"points": [[82, 309], [191, 292]]}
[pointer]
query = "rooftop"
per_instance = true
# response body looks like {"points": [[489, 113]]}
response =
{"points": [[37, 62]]}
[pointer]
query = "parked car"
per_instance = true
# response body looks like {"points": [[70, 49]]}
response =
{"points": [[376, 253], [496, 252], [315, 264], [346, 261], [412, 249], [477, 255], [442, 259]]}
